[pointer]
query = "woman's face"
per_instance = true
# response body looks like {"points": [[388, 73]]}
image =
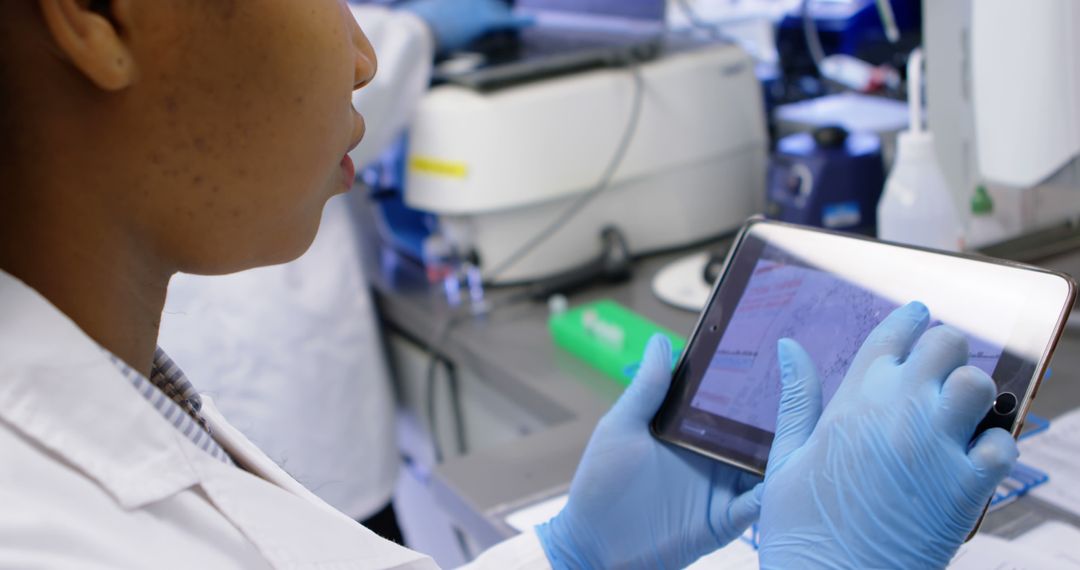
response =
{"points": [[240, 120]]}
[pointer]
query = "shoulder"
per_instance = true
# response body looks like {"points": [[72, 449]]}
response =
{"points": [[47, 503], [55, 516]]}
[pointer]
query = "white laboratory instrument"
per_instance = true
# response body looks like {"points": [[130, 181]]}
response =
{"points": [[498, 168], [682, 283], [1004, 104], [855, 112]]}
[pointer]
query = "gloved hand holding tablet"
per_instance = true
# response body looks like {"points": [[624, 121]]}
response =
{"points": [[882, 427], [919, 387], [887, 476]]}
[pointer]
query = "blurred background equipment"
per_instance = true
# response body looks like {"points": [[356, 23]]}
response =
{"points": [[858, 44], [569, 36], [522, 178], [1004, 106], [829, 178], [917, 207], [856, 112], [621, 179]]}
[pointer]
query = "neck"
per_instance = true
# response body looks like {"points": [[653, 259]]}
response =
{"points": [[100, 276]]}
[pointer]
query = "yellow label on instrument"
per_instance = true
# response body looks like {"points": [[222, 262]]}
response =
{"points": [[438, 167]]}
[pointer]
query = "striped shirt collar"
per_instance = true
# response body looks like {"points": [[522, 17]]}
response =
{"points": [[173, 396]]}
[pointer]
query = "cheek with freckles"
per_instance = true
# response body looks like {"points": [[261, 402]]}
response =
{"points": [[255, 117]]}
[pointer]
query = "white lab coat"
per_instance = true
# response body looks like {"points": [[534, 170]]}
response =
{"points": [[292, 353], [92, 476]]}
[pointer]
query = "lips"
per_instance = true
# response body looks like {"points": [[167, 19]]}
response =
{"points": [[348, 167], [348, 171]]}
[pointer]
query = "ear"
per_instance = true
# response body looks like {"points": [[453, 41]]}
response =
{"points": [[93, 41]]}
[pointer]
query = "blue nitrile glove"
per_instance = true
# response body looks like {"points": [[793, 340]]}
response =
{"points": [[886, 478], [456, 23], [638, 503]]}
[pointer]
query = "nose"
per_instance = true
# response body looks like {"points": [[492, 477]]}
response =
{"points": [[367, 64]]}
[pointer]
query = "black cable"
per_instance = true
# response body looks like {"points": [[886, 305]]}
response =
{"points": [[813, 37], [605, 182], [460, 437], [463, 544], [435, 358], [454, 385]]}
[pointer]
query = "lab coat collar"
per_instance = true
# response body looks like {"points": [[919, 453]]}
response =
{"points": [[59, 389]]}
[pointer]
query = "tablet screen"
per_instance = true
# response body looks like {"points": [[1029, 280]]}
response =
{"points": [[784, 299], [828, 293]]}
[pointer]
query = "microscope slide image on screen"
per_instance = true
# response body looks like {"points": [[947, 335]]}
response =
{"points": [[829, 316]]}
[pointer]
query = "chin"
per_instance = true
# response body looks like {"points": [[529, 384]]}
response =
{"points": [[288, 252], [277, 243], [279, 248]]}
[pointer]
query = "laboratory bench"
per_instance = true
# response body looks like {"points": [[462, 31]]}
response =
{"points": [[513, 411]]}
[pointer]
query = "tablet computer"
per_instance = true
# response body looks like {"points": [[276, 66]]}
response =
{"points": [[828, 291]]}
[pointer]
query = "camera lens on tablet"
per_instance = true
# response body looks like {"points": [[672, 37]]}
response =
{"points": [[1005, 404]]}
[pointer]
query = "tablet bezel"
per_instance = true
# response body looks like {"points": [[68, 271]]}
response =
{"points": [[707, 334]]}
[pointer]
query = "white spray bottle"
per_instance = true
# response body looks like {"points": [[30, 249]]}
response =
{"points": [[917, 207]]}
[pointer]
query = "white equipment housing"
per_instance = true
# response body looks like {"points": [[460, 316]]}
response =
{"points": [[1025, 77], [1003, 94], [498, 168]]}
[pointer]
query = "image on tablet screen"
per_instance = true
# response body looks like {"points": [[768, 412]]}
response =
{"points": [[829, 316]]}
